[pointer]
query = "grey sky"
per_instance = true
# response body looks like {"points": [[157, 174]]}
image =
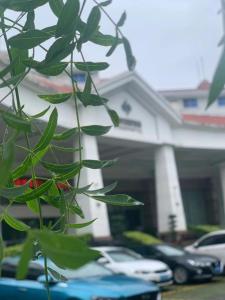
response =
{"points": [[174, 41]]}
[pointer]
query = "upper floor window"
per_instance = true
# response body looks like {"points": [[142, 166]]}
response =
{"points": [[79, 77], [190, 102], [221, 101]]}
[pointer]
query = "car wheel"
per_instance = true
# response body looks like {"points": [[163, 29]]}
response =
{"points": [[180, 275]]}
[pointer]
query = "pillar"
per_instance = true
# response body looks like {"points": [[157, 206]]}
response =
{"points": [[221, 188], [168, 193], [92, 209]]}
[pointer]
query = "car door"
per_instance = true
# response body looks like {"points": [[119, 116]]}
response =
{"points": [[27, 289], [212, 245]]}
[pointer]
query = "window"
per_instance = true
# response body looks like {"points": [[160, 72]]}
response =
{"points": [[213, 240], [221, 101], [190, 102]]}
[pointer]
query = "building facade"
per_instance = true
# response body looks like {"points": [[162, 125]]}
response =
{"points": [[174, 164]]}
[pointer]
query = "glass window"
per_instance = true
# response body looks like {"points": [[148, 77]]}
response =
{"points": [[89, 270], [213, 240], [190, 102], [123, 255], [221, 101], [170, 251]]}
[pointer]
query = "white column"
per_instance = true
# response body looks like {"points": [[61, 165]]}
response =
{"points": [[92, 209], [168, 194], [222, 189]]}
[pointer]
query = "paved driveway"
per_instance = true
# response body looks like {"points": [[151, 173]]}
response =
{"points": [[214, 290]]}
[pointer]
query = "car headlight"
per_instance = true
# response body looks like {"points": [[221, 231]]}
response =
{"points": [[193, 262]]}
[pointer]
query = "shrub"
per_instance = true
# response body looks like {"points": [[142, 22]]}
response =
{"points": [[200, 230], [13, 250], [141, 237]]}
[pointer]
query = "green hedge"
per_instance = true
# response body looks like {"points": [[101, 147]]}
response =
{"points": [[13, 250], [200, 230], [141, 238]]}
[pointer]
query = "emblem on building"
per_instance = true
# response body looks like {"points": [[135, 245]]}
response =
{"points": [[126, 107]]}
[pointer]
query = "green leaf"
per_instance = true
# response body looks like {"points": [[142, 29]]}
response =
{"points": [[114, 117], [65, 134], [102, 191], [105, 3], [98, 164], [69, 175], [12, 81], [1, 249], [88, 85], [116, 42], [40, 114], [28, 39], [10, 193], [218, 80], [91, 99], [48, 132], [81, 225], [131, 61], [104, 39], [95, 130], [60, 168], [19, 55], [27, 163], [60, 49], [30, 21], [7, 69], [14, 223], [16, 121], [56, 98], [56, 6], [6, 160], [66, 149], [22, 5], [22, 168], [120, 200], [92, 24], [50, 30], [75, 209], [35, 193], [91, 66], [52, 69], [122, 20], [33, 205], [68, 18], [25, 258], [64, 250]]}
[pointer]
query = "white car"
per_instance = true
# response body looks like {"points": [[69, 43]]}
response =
{"points": [[125, 261], [210, 244]]}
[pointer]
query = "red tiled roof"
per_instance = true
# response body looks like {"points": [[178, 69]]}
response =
{"points": [[204, 120], [49, 84]]}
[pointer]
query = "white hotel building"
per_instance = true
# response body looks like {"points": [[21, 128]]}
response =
{"points": [[171, 154]]}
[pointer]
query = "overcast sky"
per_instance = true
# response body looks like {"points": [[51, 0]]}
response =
{"points": [[174, 41]]}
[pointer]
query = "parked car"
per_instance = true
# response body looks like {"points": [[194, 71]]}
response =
{"points": [[128, 262], [90, 282], [185, 266], [211, 244]]}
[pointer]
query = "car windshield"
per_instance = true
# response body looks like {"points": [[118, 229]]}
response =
{"points": [[92, 269], [170, 251], [123, 255]]}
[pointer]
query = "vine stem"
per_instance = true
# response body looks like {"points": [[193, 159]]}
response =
{"points": [[19, 111]]}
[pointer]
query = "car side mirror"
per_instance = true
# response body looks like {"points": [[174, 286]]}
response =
{"points": [[42, 279], [195, 245], [103, 260]]}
